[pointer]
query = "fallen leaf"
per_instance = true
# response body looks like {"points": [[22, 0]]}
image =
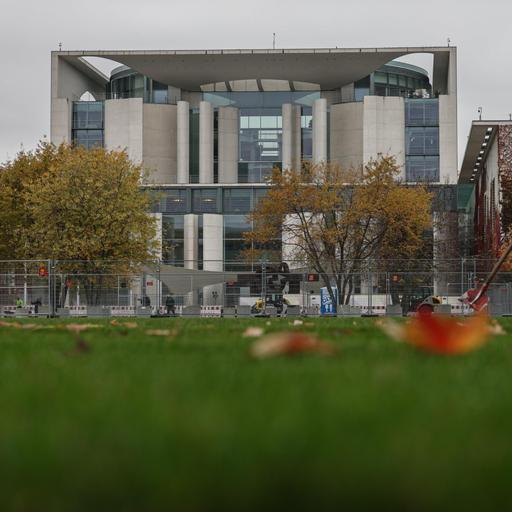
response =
{"points": [[82, 346], [290, 344], [394, 330], [76, 328], [440, 335], [15, 325], [161, 332], [496, 329], [128, 325], [253, 332]]}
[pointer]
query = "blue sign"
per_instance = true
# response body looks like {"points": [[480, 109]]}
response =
{"points": [[326, 304]]}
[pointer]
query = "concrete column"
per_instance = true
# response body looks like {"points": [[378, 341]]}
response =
{"points": [[191, 236], [291, 136], [183, 141], [205, 142], [228, 144], [213, 242], [320, 131]]}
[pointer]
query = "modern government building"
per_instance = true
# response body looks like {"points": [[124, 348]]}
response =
{"points": [[210, 125]]}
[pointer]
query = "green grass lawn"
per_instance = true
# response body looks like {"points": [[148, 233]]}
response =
{"points": [[192, 423]]}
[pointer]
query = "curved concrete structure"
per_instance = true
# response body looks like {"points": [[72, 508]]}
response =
{"points": [[329, 67]]}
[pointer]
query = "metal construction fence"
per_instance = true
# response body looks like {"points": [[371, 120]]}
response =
{"points": [[154, 288]]}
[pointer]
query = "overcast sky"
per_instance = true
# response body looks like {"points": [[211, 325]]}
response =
{"points": [[30, 29]]}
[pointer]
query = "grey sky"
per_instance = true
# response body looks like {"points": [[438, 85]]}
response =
{"points": [[30, 29]]}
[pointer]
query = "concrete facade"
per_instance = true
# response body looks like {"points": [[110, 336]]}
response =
{"points": [[347, 134], [213, 242], [384, 129], [291, 136], [183, 142], [320, 133], [124, 127], [212, 112], [205, 142], [191, 247], [160, 143], [62, 113], [229, 129]]}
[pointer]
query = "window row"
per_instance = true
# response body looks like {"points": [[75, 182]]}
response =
{"points": [[206, 200]]}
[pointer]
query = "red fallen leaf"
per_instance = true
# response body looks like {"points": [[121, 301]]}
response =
{"points": [[442, 335], [290, 344]]}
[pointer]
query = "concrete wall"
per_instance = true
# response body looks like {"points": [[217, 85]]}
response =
{"points": [[448, 139], [229, 129], [347, 134], [124, 126], [320, 131], [205, 142], [61, 120], [69, 82], [384, 128], [291, 147], [183, 142], [160, 142], [213, 242], [191, 245]]}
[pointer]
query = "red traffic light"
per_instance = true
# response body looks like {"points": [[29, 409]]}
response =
{"points": [[313, 278]]}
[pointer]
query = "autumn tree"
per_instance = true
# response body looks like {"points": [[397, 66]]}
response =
{"points": [[72, 204], [333, 220]]}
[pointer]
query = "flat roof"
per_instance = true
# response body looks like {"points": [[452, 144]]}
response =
{"points": [[480, 129], [329, 67]]}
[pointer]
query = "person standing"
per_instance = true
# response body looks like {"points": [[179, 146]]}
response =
{"points": [[170, 305]]}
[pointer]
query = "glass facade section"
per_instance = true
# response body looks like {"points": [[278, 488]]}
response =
{"points": [[130, 84], [237, 200], [422, 168], [422, 112], [173, 239], [306, 124], [261, 130], [205, 200], [260, 143], [87, 123], [422, 141]]}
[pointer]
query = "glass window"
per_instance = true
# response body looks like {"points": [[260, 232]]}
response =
{"points": [[172, 227], [380, 77], [422, 141], [235, 226], [205, 200], [393, 79], [422, 112], [175, 201], [173, 251], [237, 200], [422, 168]]}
